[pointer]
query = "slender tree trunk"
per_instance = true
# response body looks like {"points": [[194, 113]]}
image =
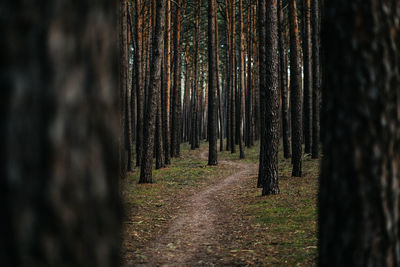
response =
{"points": [[220, 105], [295, 90], [213, 83], [233, 76], [284, 82], [316, 79], [307, 58], [242, 84], [228, 75], [249, 97], [153, 95], [59, 134], [176, 100], [167, 86], [360, 180], [139, 80]]}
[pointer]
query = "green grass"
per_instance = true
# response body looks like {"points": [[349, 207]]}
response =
{"points": [[280, 230]]}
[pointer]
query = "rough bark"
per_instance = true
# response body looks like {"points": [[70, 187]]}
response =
{"points": [[153, 95], [59, 134], [261, 20], [295, 90], [269, 94], [360, 181]]}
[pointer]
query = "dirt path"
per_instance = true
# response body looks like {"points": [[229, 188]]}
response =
{"points": [[195, 231]]}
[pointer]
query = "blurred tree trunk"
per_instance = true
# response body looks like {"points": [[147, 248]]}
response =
{"points": [[359, 196], [295, 90], [153, 94], [59, 134]]}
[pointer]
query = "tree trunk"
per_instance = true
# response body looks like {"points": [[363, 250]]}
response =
{"points": [[176, 99], [153, 95], [59, 134], [295, 90], [307, 54], [212, 81], [316, 79], [269, 95], [262, 83], [233, 76], [249, 97], [284, 82], [242, 84], [360, 180], [167, 87]]}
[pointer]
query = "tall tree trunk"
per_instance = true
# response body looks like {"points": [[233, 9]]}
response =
{"points": [[284, 82], [176, 99], [59, 134], [307, 54], [242, 84], [316, 79], [212, 81], [269, 95], [262, 83], [167, 86], [139, 79], [153, 95], [295, 90], [228, 75], [233, 75], [220, 105], [249, 96], [359, 196]]}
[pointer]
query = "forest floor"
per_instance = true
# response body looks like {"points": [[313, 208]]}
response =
{"points": [[196, 215]]}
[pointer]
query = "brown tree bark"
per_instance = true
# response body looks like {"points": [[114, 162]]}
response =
{"points": [[153, 95], [295, 90], [176, 98], [165, 104], [59, 134], [360, 180], [284, 81]]}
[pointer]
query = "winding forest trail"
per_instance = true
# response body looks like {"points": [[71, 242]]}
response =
{"points": [[196, 230]]}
